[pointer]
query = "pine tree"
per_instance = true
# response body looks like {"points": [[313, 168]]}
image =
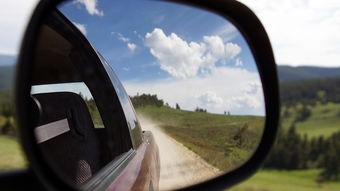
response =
{"points": [[177, 106]]}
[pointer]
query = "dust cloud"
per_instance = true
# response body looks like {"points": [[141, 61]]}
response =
{"points": [[180, 166]]}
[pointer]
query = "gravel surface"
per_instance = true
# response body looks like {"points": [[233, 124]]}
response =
{"points": [[180, 166]]}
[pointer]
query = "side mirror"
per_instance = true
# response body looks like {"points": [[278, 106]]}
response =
{"points": [[79, 129]]}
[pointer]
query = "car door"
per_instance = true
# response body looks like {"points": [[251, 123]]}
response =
{"points": [[78, 91]]}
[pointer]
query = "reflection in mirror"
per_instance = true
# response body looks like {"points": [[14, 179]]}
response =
{"points": [[192, 81]]}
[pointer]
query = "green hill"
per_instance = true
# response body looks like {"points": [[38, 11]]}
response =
{"points": [[275, 180], [11, 156], [223, 141], [7, 60], [310, 91], [324, 119], [289, 73], [6, 77]]}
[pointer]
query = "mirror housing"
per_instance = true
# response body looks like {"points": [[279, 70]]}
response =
{"points": [[246, 22]]}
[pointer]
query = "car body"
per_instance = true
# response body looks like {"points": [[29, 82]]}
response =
{"points": [[89, 138]]}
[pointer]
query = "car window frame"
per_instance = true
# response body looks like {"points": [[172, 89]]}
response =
{"points": [[130, 114]]}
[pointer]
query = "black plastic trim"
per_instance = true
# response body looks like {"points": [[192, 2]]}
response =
{"points": [[241, 16], [111, 171], [42, 171], [254, 33], [19, 180]]}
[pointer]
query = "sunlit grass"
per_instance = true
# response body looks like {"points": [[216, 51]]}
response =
{"points": [[11, 156], [325, 120], [297, 180], [2, 120], [211, 136]]}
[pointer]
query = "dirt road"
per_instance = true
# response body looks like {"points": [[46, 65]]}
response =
{"points": [[180, 167]]}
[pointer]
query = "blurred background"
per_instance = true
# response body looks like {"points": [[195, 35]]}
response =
{"points": [[306, 42]]}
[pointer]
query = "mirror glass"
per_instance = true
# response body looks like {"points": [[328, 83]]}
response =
{"points": [[190, 76]]}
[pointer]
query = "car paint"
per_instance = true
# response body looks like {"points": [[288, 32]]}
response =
{"points": [[142, 172]]}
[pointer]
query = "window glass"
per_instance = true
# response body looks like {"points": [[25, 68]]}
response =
{"points": [[129, 112], [79, 88]]}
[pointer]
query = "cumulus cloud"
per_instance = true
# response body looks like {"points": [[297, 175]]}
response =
{"points": [[250, 97], [121, 37], [91, 7], [238, 62], [215, 45], [210, 98], [81, 27], [132, 46], [138, 35], [226, 89], [232, 50], [228, 32], [183, 59]]}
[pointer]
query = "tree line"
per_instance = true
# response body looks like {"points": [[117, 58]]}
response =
{"points": [[142, 100], [295, 152], [310, 91], [6, 113], [147, 100]]}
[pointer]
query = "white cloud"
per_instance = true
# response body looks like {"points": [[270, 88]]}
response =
{"points": [[121, 37], [238, 62], [228, 32], [210, 98], [158, 20], [132, 46], [138, 35], [183, 59], [81, 27], [224, 89], [232, 50], [302, 32], [216, 45], [14, 16], [250, 97], [91, 7]]}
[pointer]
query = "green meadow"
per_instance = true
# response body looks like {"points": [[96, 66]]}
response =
{"points": [[324, 119], [222, 140], [206, 134], [295, 180], [11, 156]]}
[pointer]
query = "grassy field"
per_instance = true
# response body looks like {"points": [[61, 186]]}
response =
{"points": [[2, 120], [10, 154], [203, 133], [324, 120], [273, 180], [213, 137]]}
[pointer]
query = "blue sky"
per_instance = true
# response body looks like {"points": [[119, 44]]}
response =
{"points": [[184, 55], [120, 25], [302, 32]]}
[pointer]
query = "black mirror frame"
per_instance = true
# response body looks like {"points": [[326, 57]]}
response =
{"points": [[246, 22]]}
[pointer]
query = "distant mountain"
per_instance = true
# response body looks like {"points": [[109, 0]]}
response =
{"points": [[286, 73], [6, 71], [289, 73], [6, 76], [6, 60]]}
